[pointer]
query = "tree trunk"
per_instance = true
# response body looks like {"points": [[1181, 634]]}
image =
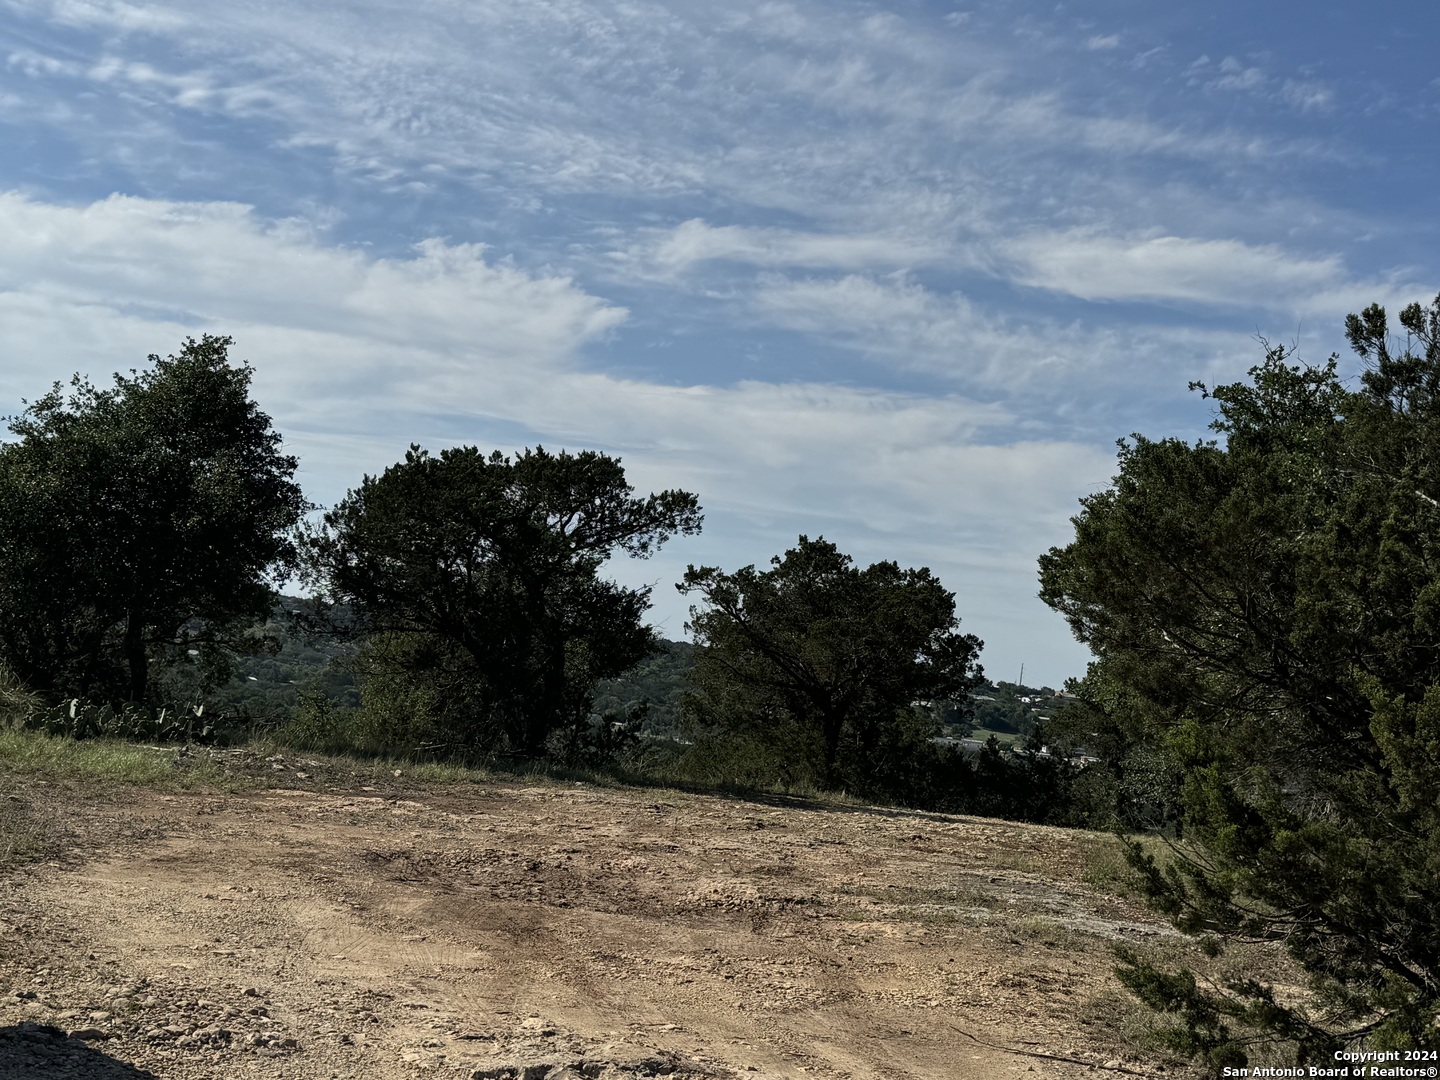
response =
{"points": [[135, 655], [830, 727]]}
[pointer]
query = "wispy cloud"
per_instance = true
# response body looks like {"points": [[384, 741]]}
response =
{"points": [[1232, 75], [1095, 266], [217, 262], [674, 251]]}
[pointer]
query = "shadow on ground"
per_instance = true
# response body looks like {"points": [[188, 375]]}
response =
{"points": [[40, 1052]]}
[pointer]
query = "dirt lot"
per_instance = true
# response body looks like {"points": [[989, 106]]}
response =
{"points": [[322, 929]]}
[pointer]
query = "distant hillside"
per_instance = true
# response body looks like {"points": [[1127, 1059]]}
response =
{"points": [[267, 686]]}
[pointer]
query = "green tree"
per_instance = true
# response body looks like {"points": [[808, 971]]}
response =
{"points": [[140, 520], [1265, 615], [491, 568], [830, 658]]}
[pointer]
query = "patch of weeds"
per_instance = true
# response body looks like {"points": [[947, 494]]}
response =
{"points": [[1124, 1027], [1106, 867], [1050, 934], [105, 761]]}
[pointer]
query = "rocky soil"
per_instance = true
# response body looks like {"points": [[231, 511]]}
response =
{"points": [[513, 931]]}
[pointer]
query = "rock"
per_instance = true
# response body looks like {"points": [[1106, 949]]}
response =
{"points": [[90, 1034], [495, 1072]]}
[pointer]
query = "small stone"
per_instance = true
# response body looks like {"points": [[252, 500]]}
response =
{"points": [[250, 991]]}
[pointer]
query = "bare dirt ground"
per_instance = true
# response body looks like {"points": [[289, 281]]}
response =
{"points": [[524, 930]]}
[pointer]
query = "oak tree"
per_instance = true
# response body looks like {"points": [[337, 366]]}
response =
{"points": [[139, 520], [831, 657], [488, 568]]}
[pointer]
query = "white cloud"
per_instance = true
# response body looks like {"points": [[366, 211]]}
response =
{"points": [[1095, 266], [1306, 95], [1103, 41], [1234, 76], [115, 15], [673, 251], [1227, 275], [217, 263], [914, 327], [33, 64]]}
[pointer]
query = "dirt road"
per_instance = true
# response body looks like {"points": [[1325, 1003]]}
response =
{"points": [[511, 930]]}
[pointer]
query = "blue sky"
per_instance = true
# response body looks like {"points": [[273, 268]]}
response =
{"points": [[894, 273]]}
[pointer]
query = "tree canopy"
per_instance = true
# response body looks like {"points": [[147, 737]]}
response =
{"points": [[1265, 614], [487, 568], [827, 656], [137, 520]]}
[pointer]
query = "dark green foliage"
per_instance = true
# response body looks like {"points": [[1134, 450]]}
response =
{"points": [[138, 522], [1265, 615], [833, 666], [658, 682], [481, 576], [1134, 781]]}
